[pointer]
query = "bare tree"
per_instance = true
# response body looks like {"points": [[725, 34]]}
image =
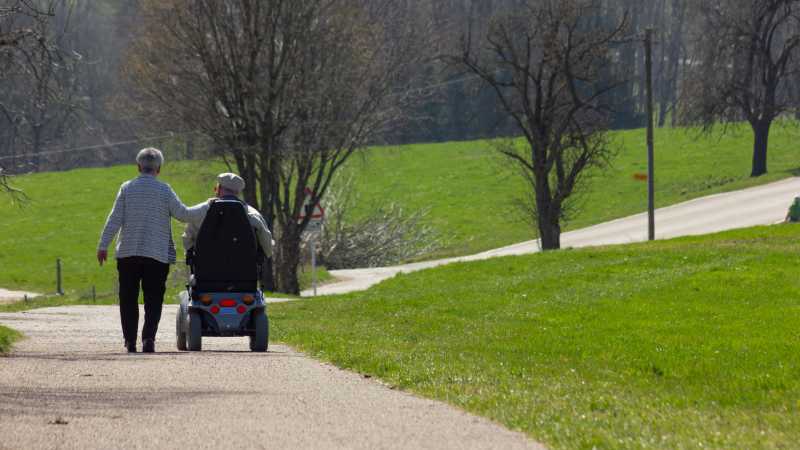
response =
{"points": [[40, 101], [18, 19], [672, 61], [288, 90], [543, 61], [20, 22], [747, 56]]}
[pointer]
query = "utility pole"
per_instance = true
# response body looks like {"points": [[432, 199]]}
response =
{"points": [[651, 189]]}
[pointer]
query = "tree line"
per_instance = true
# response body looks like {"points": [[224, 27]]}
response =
{"points": [[287, 91]]}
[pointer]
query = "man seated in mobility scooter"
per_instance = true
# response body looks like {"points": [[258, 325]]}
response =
{"points": [[225, 250]]}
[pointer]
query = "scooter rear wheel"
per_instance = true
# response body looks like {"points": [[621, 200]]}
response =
{"points": [[195, 341], [259, 341]]}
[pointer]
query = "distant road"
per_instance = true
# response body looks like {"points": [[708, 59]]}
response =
{"points": [[762, 205]]}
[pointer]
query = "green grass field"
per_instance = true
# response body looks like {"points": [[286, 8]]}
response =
{"points": [[691, 343], [7, 338], [64, 218], [470, 193]]}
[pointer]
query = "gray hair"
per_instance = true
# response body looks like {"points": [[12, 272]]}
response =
{"points": [[150, 160]]}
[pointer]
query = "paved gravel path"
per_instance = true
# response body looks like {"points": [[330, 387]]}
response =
{"points": [[762, 205], [69, 385]]}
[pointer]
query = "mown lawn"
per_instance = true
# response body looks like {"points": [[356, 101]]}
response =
{"points": [[690, 343], [470, 192], [7, 338]]}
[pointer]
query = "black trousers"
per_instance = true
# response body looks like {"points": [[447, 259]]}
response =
{"points": [[152, 276]]}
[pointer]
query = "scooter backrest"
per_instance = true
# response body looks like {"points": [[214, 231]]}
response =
{"points": [[226, 255]]}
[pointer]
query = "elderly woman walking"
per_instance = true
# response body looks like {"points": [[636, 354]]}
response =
{"points": [[142, 216]]}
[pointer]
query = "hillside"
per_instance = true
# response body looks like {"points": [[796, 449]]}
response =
{"points": [[690, 343], [470, 192], [64, 219], [473, 194]]}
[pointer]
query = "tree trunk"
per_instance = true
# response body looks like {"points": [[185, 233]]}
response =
{"points": [[190, 147], [760, 146], [663, 109], [36, 147], [548, 220], [267, 275], [250, 177], [286, 263], [550, 233]]}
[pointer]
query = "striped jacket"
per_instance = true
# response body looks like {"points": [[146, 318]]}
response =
{"points": [[141, 215]]}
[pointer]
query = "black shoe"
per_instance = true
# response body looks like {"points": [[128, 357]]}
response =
{"points": [[130, 346], [148, 346]]}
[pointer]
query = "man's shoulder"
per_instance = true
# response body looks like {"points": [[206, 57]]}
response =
{"points": [[255, 214], [252, 211]]}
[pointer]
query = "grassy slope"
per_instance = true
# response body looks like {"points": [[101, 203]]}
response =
{"points": [[7, 337], [64, 220], [676, 344], [470, 193]]}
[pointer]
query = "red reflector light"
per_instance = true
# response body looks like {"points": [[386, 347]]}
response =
{"points": [[242, 309], [215, 309], [227, 303]]}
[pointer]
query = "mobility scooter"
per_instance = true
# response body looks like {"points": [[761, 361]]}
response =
{"points": [[222, 298]]}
